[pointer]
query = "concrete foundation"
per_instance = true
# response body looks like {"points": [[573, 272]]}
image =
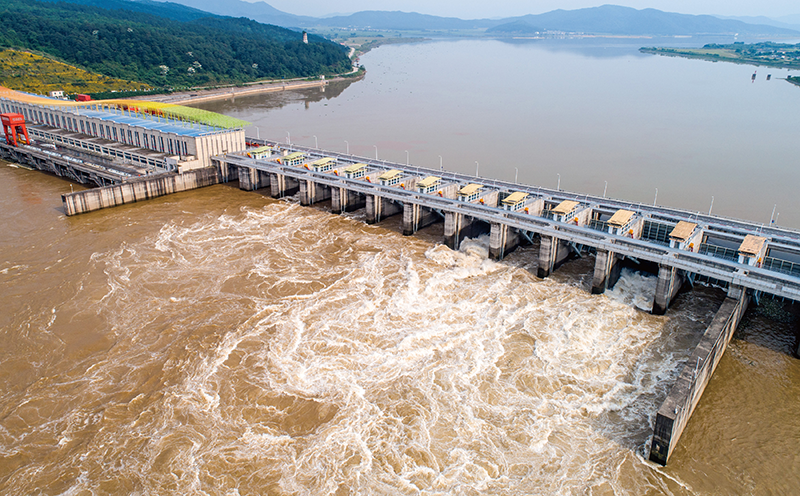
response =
{"points": [[252, 179], [137, 190], [607, 268], [227, 172], [281, 186], [415, 217], [344, 200], [670, 282], [502, 241], [552, 253], [685, 394], [312, 192], [379, 208]]}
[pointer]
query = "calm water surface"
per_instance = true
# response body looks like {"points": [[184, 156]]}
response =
{"points": [[220, 342], [590, 111]]}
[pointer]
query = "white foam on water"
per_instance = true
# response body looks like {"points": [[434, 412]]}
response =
{"points": [[286, 349]]}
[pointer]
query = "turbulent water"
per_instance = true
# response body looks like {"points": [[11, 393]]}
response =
{"points": [[219, 342]]}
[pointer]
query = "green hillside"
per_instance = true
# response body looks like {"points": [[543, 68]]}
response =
{"points": [[165, 52]]}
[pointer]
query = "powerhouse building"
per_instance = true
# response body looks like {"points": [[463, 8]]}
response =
{"points": [[158, 136]]}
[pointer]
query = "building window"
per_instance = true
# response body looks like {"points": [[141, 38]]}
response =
{"points": [[161, 143], [171, 150], [138, 142], [102, 133], [130, 137], [185, 152], [94, 129], [153, 142], [83, 128], [115, 133]]}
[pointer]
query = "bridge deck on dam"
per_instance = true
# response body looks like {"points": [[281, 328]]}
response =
{"points": [[717, 248]]}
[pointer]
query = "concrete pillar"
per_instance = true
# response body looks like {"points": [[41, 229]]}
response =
{"points": [[282, 185], [312, 192], [552, 253], [227, 172], [458, 226], [670, 281], [415, 217], [684, 396], [344, 200], [502, 240], [453, 224], [606, 271], [251, 179], [379, 208]]}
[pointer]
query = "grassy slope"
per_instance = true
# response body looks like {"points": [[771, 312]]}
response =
{"points": [[25, 71]]}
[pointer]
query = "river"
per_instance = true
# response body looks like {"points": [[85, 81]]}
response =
{"points": [[221, 342]]}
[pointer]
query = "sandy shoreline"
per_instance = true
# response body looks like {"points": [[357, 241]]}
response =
{"points": [[189, 97]]}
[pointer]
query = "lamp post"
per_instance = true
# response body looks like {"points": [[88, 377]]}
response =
{"points": [[288, 138], [516, 174], [316, 144], [605, 188], [712, 205], [477, 167], [656, 198], [376, 151], [558, 185], [441, 167], [258, 134], [348, 146], [406, 157]]}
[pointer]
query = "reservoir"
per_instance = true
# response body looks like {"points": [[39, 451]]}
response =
{"points": [[590, 111], [220, 341]]}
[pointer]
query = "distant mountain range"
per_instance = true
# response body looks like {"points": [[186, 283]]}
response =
{"points": [[606, 19]]}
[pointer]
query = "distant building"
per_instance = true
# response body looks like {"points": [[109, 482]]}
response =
{"points": [[56, 94], [162, 137], [305, 37]]}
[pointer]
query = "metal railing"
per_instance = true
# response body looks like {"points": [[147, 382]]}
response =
{"points": [[782, 266], [719, 252]]}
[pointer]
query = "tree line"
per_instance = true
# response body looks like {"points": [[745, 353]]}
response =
{"points": [[163, 52]]}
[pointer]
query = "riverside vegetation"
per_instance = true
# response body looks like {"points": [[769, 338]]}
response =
{"points": [[165, 47], [767, 54]]}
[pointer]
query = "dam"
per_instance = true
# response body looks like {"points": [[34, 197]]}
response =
{"points": [[685, 248]]}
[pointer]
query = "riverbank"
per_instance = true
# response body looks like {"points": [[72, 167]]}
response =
{"points": [[224, 93], [358, 46], [736, 54]]}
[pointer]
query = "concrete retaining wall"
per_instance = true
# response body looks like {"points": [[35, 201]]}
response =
{"points": [[137, 190], [685, 394]]}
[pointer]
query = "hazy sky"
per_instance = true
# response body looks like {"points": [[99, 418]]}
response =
{"points": [[476, 9]]}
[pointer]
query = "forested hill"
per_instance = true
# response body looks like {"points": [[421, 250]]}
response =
{"points": [[160, 50]]}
